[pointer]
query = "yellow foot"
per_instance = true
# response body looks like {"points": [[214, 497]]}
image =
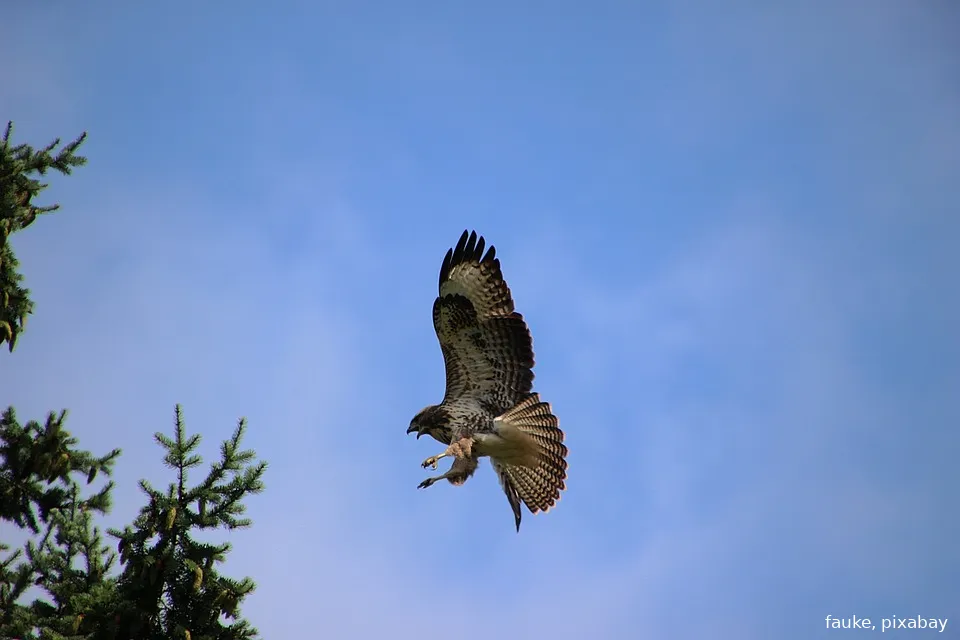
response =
{"points": [[431, 462]]}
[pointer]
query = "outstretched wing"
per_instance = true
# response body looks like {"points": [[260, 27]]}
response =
{"points": [[487, 348]]}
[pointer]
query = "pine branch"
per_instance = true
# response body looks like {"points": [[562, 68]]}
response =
{"points": [[18, 187], [38, 465]]}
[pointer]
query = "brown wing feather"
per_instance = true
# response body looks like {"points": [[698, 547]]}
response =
{"points": [[487, 347]]}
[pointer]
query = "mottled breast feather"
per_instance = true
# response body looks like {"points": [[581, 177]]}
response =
{"points": [[487, 347]]}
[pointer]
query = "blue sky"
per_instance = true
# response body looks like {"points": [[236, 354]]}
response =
{"points": [[733, 233]]}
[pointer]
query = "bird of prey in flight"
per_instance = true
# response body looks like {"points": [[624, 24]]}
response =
{"points": [[489, 408]]}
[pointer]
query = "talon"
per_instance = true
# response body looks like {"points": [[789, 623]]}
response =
{"points": [[430, 462]]}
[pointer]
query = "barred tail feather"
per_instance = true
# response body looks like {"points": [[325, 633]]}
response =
{"points": [[533, 467]]}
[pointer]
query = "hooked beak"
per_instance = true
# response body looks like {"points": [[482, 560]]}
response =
{"points": [[414, 428]]}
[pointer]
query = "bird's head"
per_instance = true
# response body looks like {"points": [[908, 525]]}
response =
{"points": [[430, 420]]}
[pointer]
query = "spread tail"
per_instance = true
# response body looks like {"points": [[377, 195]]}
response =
{"points": [[531, 464]]}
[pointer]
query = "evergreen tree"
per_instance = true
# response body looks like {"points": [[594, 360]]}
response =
{"points": [[65, 582], [65, 556], [19, 167], [170, 586]]}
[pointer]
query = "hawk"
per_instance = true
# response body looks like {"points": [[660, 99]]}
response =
{"points": [[489, 408]]}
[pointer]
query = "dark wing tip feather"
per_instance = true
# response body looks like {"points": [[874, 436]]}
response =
{"points": [[459, 250], [471, 245], [445, 267], [469, 248]]}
